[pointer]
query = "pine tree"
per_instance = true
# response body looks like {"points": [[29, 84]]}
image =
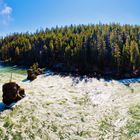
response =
{"points": [[17, 51], [134, 54], [117, 56]]}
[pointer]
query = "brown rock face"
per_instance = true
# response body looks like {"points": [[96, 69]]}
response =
{"points": [[32, 74], [32, 77], [12, 93], [38, 71]]}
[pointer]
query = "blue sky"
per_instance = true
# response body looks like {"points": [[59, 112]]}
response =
{"points": [[29, 15]]}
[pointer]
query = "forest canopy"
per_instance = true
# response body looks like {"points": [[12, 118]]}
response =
{"points": [[105, 49]]}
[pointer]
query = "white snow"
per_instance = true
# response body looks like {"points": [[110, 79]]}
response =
{"points": [[67, 108]]}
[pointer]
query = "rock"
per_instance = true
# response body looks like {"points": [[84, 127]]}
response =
{"points": [[22, 92], [30, 71], [32, 74], [37, 73], [12, 93], [32, 77], [40, 71]]}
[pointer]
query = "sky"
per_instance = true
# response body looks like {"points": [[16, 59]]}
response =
{"points": [[30, 15]]}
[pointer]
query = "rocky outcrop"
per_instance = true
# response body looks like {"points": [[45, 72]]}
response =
{"points": [[32, 74], [12, 93]]}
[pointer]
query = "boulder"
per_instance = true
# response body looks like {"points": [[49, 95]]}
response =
{"points": [[37, 72], [12, 93], [30, 71], [40, 71], [32, 77], [33, 73]]}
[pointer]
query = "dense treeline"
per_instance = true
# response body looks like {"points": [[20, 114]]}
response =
{"points": [[98, 49]]}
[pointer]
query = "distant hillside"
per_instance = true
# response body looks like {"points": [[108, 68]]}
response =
{"points": [[111, 50]]}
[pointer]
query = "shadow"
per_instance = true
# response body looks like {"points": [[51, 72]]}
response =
{"points": [[129, 81], [25, 80], [48, 73], [4, 107], [77, 77]]}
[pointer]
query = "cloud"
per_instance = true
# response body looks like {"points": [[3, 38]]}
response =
{"points": [[7, 10], [5, 13]]}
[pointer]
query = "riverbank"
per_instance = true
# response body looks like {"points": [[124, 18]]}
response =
{"points": [[64, 70], [23, 70], [64, 107]]}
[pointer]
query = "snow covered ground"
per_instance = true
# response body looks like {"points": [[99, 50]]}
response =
{"points": [[70, 108]]}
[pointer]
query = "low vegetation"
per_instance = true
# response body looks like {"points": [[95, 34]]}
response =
{"points": [[133, 126]]}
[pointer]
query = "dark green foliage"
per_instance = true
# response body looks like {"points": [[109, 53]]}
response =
{"points": [[103, 49]]}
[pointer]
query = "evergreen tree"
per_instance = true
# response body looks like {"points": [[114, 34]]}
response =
{"points": [[88, 48], [117, 56], [134, 54]]}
